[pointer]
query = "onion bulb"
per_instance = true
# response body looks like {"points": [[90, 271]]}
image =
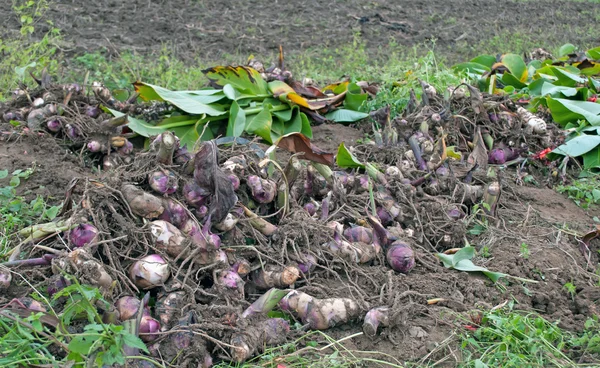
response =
{"points": [[83, 234]]}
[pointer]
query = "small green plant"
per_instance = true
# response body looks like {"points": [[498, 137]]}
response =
{"points": [[588, 343], [571, 289], [584, 191], [525, 250], [485, 252], [16, 212], [508, 338]]}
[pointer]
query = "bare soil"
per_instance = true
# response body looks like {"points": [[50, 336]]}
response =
{"points": [[211, 29]]}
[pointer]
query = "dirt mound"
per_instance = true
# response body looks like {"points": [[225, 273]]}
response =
{"points": [[209, 297]]}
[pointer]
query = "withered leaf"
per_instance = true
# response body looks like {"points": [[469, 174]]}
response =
{"points": [[208, 175], [307, 91], [479, 155], [297, 142]]}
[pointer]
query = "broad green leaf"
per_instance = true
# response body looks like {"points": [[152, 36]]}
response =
{"points": [[260, 124], [579, 145], [462, 254], [566, 78], [20, 71], [293, 125], [277, 128], [472, 68], [486, 60], [133, 341], [306, 129], [556, 91], [285, 115], [535, 87], [139, 126], [345, 116], [243, 78], [187, 102], [81, 343], [3, 174], [235, 95], [237, 120], [594, 53], [593, 83], [591, 159], [354, 97], [510, 80], [593, 70], [516, 66], [568, 111], [188, 135], [566, 49], [336, 88], [345, 159]]}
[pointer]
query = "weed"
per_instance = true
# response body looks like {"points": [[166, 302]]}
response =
{"points": [[525, 250], [584, 191], [16, 211], [507, 338], [571, 289]]}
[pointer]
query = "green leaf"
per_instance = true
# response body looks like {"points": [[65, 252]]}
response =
{"points": [[594, 53], [15, 181], [568, 111], [138, 126], [591, 159], [516, 66], [345, 159], [354, 97], [345, 116], [306, 129], [133, 341], [566, 49], [555, 91], [566, 78], [260, 124], [20, 71], [486, 60], [461, 261], [463, 253], [186, 101], [51, 212], [294, 124], [237, 120], [510, 80], [579, 145], [472, 68], [3, 174], [242, 78], [81, 344]]}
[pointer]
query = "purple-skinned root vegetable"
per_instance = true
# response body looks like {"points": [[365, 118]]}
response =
{"points": [[359, 234], [307, 264], [311, 207], [126, 149], [320, 314], [242, 267], [26, 302], [248, 341], [374, 318], [174, 213], [54, 125], [149, 272], [228, 223], [82, 235], [142, 203], [455, 213], [93, 111], [182, 156], [275, 277], [263, 190], [400, 257], [235, 181], [352, 252], [195, 195], [128, 306], [231, 280], [55, 284], [149, 328], [163, 182], [168, 238]]}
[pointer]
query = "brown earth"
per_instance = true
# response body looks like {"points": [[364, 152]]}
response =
{"points": [[212, 29]]}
